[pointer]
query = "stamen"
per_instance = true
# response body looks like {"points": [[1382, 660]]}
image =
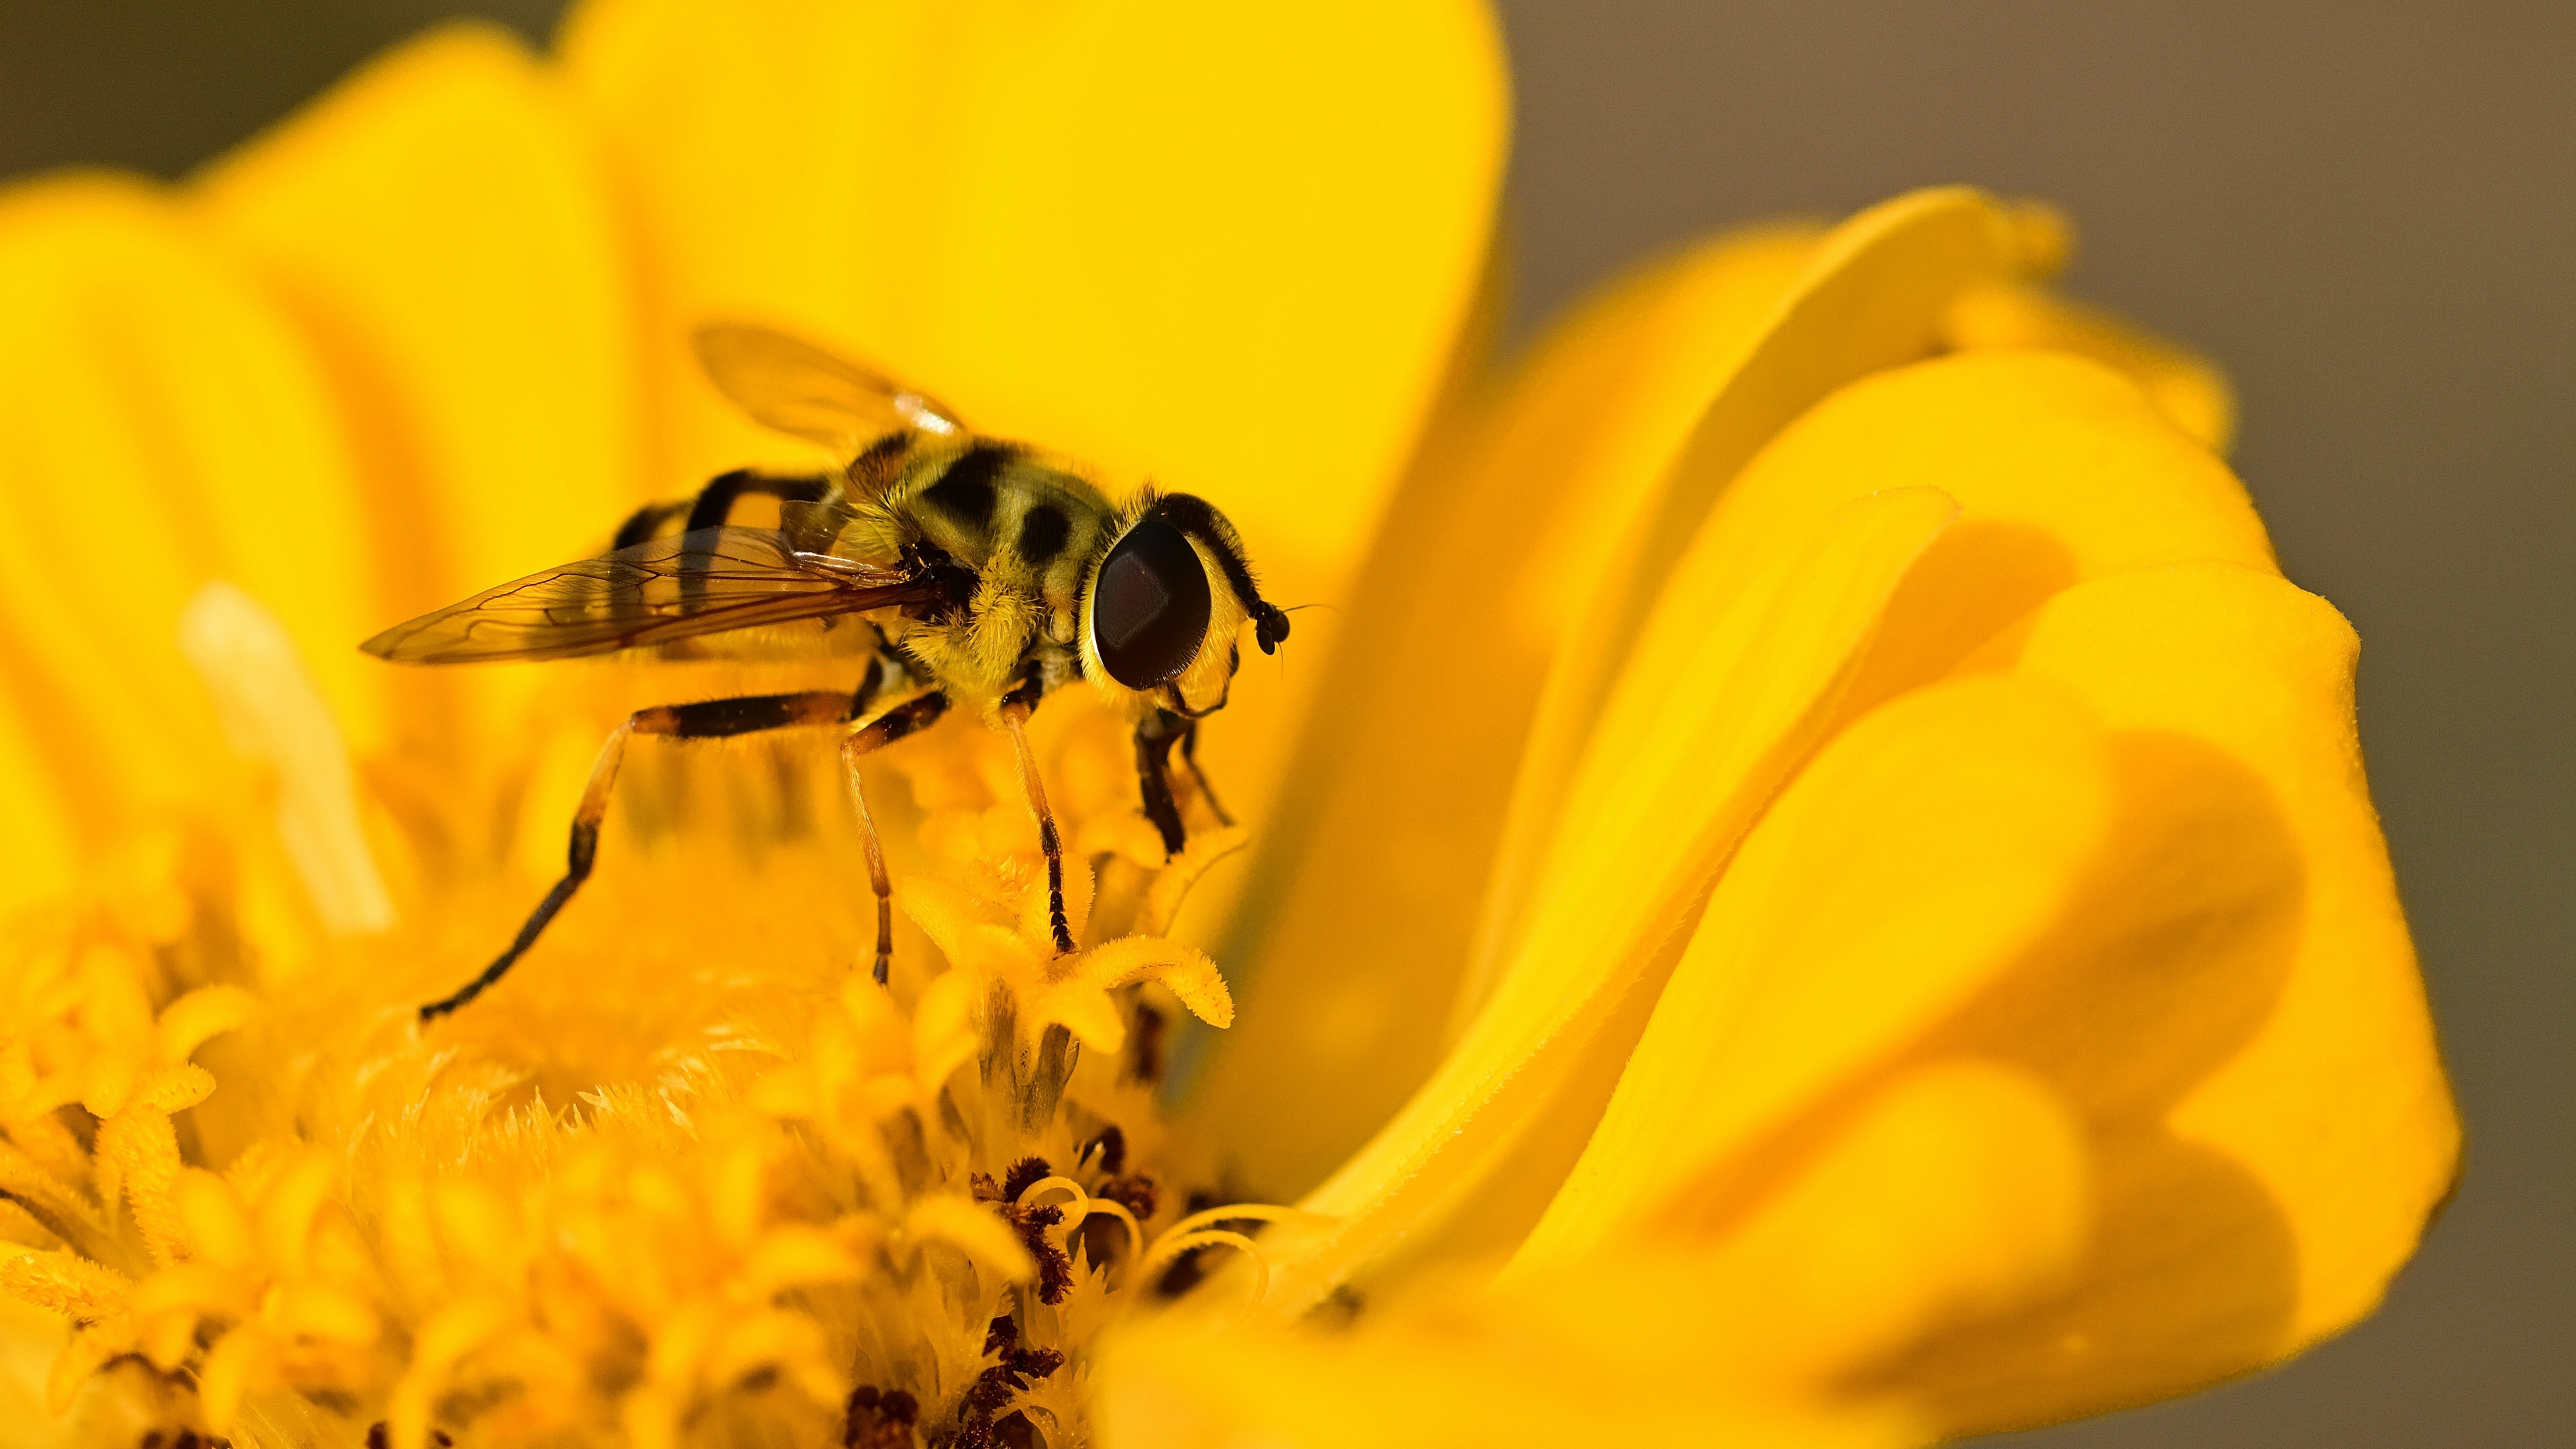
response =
{"points": [[272, 714], [1241, 1212], [1169, 1249], [1102, 1207]]}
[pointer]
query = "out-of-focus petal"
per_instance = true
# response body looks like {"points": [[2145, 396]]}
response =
{"points": [[1223, 247], [2240, 1019], [1409, 767], [2187, 388], [439, 226], [164, 427], [1736, 697]]}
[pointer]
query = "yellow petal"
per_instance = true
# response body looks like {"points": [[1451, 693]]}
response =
{"points": [[140, 374], [943, 1032], [1871, 298], [454, 1331], [1910, 864], [477, 1226], [208, 1011], [953, 920], [1955, 1191], [311, 1310], [24, 1178], [1087, 1013], [1350, 950], [2188, 389], [273, 716], [973, 1230], [19, 1228], [287, 1211], [67, 1283], [779, 1338], [1223, 248], [210, 1213], [1188, 971], [2063, 471], [1735, 698], [440, 229], [139, 1153], [793, 1255], [242, 1360], [2255, 1054], [1466, 1373]]}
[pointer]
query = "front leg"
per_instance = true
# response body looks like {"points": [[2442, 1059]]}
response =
{"points": [[1156, 733]]}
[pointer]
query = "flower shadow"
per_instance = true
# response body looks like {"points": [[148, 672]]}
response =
{"points": [[2159, 968], [2162, 968]]}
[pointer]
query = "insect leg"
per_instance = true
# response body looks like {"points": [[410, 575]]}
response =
{"points": [[1190, 757], [1155, 737], [910, 717], [1015, 718], [707, 719]]}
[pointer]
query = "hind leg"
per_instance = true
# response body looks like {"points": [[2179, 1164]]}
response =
{"points": [[706, 720]]}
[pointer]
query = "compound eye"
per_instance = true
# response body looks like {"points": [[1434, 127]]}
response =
{"points": [[1149, 610]]}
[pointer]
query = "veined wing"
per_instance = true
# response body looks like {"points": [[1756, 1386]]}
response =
{"points": [[803, 391], [704, 582]]}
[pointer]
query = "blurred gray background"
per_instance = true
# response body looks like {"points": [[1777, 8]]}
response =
{"points": [[2366, 210]]}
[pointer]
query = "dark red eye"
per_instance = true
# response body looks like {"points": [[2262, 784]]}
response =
{"points": [[1149, 610]]}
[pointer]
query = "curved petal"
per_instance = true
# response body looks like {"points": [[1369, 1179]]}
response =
{"points": [[2338, 1100], [2187, 388], [2260, 1076], [2064, 472], [1872, 297], [1912, 862], [439, 227], [1407, 772], [1723, 705], [1223, 247], [2213, 979]]}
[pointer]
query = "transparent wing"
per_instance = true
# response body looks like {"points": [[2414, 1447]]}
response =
{"points": [[663, 589], [803, 391]]}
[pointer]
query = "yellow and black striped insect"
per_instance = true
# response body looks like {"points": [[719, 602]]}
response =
{"points": [[975, 573]]}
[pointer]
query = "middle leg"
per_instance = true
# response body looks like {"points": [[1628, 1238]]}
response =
{"points": [[1015, 710], [908, 718]]}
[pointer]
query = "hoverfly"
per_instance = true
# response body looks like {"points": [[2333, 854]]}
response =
{"points": [[984, 574]]}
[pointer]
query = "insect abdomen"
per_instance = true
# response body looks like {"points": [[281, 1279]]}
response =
{"points": [[743, 497]]}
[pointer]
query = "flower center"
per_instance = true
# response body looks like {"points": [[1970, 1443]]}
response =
{"points": [[689, 1176]]}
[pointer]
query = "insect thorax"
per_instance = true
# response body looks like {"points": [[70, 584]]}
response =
{"points": [[1017, 534]]}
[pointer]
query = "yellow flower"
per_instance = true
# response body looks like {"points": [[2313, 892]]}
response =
{"points": [[1824, 894]]}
